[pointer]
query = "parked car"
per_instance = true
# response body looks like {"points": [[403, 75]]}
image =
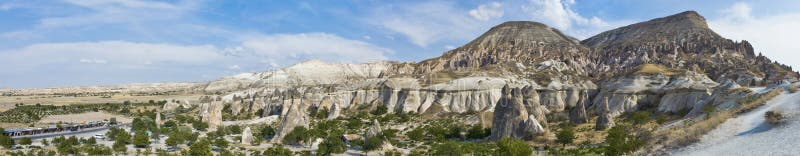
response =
{"points": [[100, 136]]}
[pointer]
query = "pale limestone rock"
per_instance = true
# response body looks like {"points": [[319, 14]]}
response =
{"points": [[295, 116], [247, 136], [374, 129], [334, 112]]}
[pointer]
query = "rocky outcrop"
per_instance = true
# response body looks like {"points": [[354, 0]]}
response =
{"points": [[532, 104], [334, 112], [578, 113], [516, 42], [670, 90], [294, 116], [604, 119], [374, 129], [511, 118], [211, 113], [247, 136], [684, 41]]}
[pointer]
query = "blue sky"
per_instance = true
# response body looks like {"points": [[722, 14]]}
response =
{"points": [[104, 42]]}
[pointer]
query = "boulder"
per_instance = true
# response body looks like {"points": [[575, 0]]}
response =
{"points": [[374, 129], [247, 136]]}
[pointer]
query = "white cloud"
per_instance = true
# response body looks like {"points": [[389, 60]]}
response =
{"points": [[560, 15], [773, 35], [290, 48], [428, 22], [485, 12], [438, 22]]}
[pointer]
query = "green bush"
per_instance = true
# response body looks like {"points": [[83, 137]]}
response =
{"points": [[25, 141], [298, 135], [141, 140], [277, 150], [513, 147], [565, 136], [331, 145]]}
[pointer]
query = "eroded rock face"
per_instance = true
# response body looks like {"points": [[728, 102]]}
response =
{"points": [[532, 104], [511, 118], [212, 114], [684, 41], [604, 120], [295, 116], [334, 112], [578, 113], [675, 102]]}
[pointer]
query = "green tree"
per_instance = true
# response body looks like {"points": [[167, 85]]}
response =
{"points": [[380, 110], [417, 134], [267, 131], [200, 148], [372, 143], [448, 148], [199, 125], [640, 117], [477, 132], [621, 141], [298, 135], [25, 141], [45, 143], [140, 140], [221, 143], [331, 144], [119, 147], [277, 150], [565, 136], [6, 141], [91, 141], [513, 147]]}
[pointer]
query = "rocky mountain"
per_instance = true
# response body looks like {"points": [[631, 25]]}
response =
{"points": [[522, 72], [684, 41]]}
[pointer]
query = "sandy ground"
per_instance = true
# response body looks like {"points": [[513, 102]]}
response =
{"points": [[84, 117]]}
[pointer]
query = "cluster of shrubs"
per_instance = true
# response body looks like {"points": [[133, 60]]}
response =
{"points": [[31, 113]]}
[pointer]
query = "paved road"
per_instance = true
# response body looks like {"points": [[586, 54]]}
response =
{"points": [[82, 131]]}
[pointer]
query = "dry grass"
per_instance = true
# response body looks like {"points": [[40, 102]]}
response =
{"points": [[690, 133], [654, 69], [7, 102]]}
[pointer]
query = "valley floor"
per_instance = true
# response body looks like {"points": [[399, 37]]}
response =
{"points": [[749, 134]]}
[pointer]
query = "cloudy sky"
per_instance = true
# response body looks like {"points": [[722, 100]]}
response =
{"points": [[54, 43]]}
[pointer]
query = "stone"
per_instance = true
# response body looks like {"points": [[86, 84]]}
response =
{"points": [[295, 116], [374, 129], [511, 119], [334, 112], [212, 114], [605, 120], [247, 136], [578, 113]]}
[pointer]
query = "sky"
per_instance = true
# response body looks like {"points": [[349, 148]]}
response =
{"points": [[56, 43]]}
